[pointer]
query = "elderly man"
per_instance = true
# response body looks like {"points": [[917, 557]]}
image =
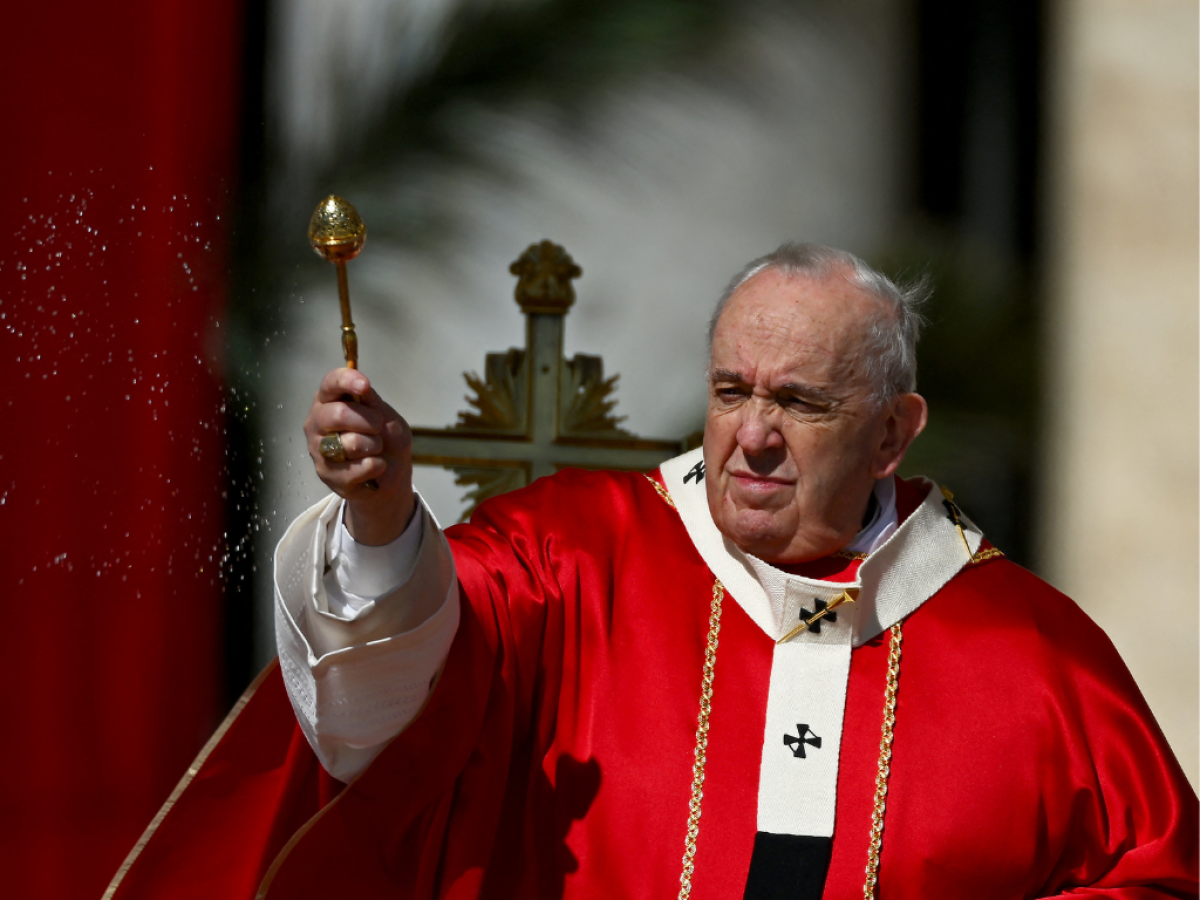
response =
{"points": [[769, 669]]}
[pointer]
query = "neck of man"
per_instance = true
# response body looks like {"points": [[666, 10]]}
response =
{"points": [[889, 504]]}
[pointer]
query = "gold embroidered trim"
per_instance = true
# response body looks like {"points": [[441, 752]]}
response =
{"points": [[268, 879], [885, 762], [956, 517], [985, 555], [194, 768], [662, 491], [848, 554], [706, 691]]}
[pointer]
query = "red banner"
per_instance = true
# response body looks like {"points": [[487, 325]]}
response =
{"points": [[118, 165]]}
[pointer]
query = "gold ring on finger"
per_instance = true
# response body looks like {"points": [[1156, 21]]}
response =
{"points": [[332, 448]]}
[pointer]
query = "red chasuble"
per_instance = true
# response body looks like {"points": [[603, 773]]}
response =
{"points": [[555, 755]]}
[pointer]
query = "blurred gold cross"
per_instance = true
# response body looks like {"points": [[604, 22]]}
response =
{"points": [[536, 412]]}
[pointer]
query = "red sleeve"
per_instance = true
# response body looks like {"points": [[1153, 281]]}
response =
{"points": [[454, 802], [1113, 813], [1132, 814]]}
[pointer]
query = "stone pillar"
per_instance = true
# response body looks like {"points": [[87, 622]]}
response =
{"points": [[1120, 517]]}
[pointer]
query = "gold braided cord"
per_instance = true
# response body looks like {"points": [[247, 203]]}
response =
{"points": [[662, 491], [706, 692], [702, 728], [885, 762], [985, 555]]}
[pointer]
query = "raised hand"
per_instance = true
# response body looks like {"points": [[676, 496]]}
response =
{"points": [[377, 445]]}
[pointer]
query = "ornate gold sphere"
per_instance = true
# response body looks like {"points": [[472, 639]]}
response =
{"points": [[336, 231]]}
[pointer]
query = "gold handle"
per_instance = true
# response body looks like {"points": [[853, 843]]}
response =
{"points": [[337, 233]]}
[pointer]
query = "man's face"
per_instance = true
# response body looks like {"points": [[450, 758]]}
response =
{"points": [[793, 442]]}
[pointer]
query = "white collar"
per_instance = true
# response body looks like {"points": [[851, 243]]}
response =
{"points": [[904, 568], [883, 523]]}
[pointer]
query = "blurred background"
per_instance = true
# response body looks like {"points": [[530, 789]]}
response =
{"points": [[165, 324]]}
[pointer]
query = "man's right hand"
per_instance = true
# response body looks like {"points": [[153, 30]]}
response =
{"points": [[378, 445]]}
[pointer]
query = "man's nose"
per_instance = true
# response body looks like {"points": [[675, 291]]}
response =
{"points": [[759, 431]]}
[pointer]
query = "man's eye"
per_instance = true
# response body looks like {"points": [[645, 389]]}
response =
{"points": [[730, 393], [798, 403]]}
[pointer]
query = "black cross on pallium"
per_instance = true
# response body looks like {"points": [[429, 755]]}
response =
{"points": [[809, 617], [797, 743], [696, 471]]}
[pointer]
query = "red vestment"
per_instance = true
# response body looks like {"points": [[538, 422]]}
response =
{"points": [[554, 757]]}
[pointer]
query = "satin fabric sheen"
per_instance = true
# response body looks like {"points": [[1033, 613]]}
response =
{"points": [[554, 758]]}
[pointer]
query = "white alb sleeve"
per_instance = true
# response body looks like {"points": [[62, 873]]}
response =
{"points": [[358, 574], [359, 668]]}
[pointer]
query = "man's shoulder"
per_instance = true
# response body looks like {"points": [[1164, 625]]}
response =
{"points": [[574, 499], [994, 580], [992, 591], [580, 485], [1004, 608], [615, 521]]}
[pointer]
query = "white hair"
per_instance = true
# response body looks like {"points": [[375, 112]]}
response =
{"points": [[892, 335]]}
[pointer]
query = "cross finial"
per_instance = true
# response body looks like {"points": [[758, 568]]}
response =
{"points": [[544, 272]]}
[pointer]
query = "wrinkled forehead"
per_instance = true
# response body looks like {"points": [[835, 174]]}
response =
{"points": [[776, 315]]}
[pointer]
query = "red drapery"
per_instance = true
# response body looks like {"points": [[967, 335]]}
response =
{"points": [[118, 163]]}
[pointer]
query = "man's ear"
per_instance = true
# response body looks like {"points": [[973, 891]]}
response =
{"points": [[905, 419]]}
